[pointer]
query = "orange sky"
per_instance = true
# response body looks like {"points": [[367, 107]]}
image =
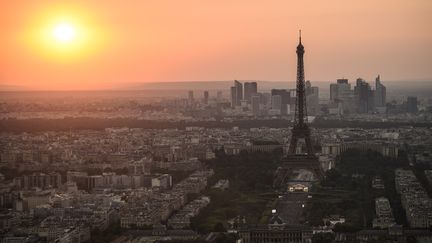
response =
{"points": [[161, 40]]}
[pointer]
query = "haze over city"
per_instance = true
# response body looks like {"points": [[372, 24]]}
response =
{"points": [[114, 44]]}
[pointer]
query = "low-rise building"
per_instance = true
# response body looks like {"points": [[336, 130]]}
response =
{"points": [[384, 216]]}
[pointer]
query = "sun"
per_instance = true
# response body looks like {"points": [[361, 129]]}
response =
{"points": [[64, 32]]}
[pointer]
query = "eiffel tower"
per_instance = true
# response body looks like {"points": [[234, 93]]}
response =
{"points": [[300, 130]]}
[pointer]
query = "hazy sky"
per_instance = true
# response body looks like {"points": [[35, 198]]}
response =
{"points": [[120, 42]]}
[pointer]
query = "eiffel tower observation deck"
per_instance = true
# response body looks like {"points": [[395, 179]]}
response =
{"points": [[307, 161]]}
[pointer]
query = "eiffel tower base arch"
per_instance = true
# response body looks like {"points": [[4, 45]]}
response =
{"points": [[295, 162]]}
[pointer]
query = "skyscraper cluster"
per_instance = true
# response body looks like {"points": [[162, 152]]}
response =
{"points": [[362, 99], [190, 97], [237, 95], [411, 104], [281, 100], [380, 93], [205, 98], [277, 102]]}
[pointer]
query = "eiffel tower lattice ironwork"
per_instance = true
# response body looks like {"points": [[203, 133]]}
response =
{"points": [[300, 128]]}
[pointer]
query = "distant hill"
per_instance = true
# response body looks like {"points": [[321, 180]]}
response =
{"points": [[208, 85], [394, 88]]}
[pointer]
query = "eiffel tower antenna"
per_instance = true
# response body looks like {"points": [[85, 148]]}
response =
{"points": [[300, 36]]}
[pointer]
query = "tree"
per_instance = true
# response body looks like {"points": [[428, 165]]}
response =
{"points": [[219, 227], [226, 238], [345, 228], [323, 238]]}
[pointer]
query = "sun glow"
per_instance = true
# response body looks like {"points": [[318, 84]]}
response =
{"points": [[64, 32]]}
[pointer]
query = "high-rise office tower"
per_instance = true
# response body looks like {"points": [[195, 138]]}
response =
{"points": [[255, 102], [233, 97], [250, 89], [190, 97], [266, 100], [365, 96], [411, 104], [285, 98], [276, 102], [341, 95], [380, 93], [239, 91], [219, 95], [338, 89], [206, 97], [283, 93], [312, 98], [236, 94]]}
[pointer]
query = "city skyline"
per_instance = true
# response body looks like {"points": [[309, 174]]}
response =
{"points": [[206, 168], [152, 42]]}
